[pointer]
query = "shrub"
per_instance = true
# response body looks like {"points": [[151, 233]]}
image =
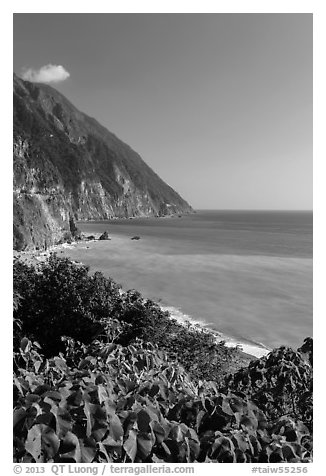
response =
{"points": [[131, 404], [272, 396], [113, 389], [196, 348], [59, 298], [279, 383]]}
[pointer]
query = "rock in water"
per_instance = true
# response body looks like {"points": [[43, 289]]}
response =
{"points": [[104, 236], [69, 167]]}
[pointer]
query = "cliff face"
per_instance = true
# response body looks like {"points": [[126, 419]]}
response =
{"points": [[68, 167]]}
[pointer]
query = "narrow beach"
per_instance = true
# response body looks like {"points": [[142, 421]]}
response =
{"points": [[91, 254]]}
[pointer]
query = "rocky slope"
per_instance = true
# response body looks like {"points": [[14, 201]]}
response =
{"points": [[68, 167]]}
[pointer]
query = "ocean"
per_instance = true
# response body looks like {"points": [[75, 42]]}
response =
{"points": [[245, 274]]}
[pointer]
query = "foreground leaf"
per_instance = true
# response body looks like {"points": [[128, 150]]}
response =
{"points": [[42, 443]]}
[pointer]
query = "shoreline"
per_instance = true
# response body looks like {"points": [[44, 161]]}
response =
{"points": [[248, 348], [255, 350]]}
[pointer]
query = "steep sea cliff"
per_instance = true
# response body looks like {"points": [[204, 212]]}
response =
{"points": [[68, 167]]}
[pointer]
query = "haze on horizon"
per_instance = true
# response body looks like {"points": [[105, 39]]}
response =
{"points": [[219, 105]]}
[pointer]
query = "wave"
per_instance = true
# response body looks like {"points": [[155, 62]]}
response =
{"points": [[255, 349]]}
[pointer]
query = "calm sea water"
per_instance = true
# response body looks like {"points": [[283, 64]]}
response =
{"points": [[247, 274]]}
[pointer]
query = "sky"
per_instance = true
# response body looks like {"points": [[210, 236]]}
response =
{"points": [[219, 105]]}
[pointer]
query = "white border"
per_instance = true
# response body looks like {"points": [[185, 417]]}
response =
{"points": [[318, 10]]}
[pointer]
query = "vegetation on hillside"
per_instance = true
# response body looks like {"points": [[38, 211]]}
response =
{"points": [[98, 377], [66, 163], [60, 298]]}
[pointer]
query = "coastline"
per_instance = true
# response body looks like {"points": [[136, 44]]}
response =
{"points": [[251, 349], [247, 348]]}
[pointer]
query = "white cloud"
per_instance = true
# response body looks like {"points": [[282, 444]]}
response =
{"points": [[50, 73]]}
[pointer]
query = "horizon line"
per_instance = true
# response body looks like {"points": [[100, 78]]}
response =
{"points": [[257, 209]]}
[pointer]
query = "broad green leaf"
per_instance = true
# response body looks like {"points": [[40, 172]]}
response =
{"points": [[88, 449], [102, 393], [221, 445], [144, 445], [226, 407], [289, 452], [115, 428], [31, 398], [99, 430], [111, 443], [158, 431], [199, 418], [193, 435], [154, 390], [155, 459], [75, 398], [130, 445], [60, 364], [166, 448], [249, 422], [240, 441], [21, 384], [70, 447], [193, 449], [143, 421], [53, 395], [63, 419], [19, 414], [103, 453], [93, 413], [176, 433], [25, 344], [46, 419], [163, 391], [42, 443], [236, 404]]}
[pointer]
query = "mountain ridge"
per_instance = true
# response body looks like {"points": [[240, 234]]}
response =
{"points": [[68, 167]]}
